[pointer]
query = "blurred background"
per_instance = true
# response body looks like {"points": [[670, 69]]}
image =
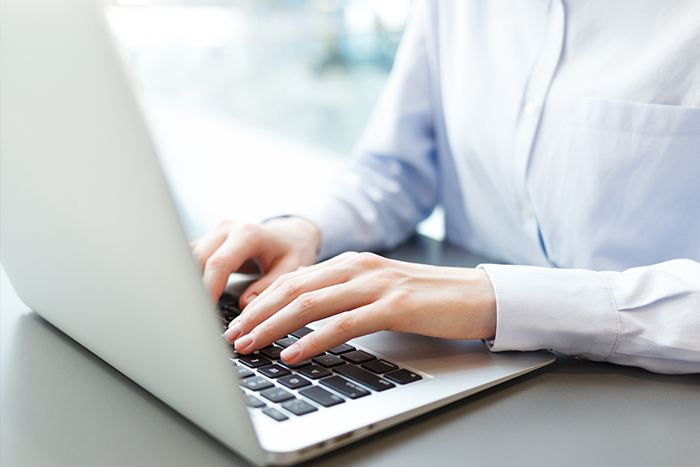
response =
{"points": [[255, 103]]}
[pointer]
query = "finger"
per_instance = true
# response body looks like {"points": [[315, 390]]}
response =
{"points": [[228, 258], [256, 288], [287, 288], [342, 328], [277, 283], [204, 247], [308, 307]]}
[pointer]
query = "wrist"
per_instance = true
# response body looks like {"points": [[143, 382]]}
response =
{"points": [[303, 232]]}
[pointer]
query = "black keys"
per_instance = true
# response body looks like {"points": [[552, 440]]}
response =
{"points": [[342, 348], [227, 300], [294, 381], [274, 371], [314, 371], [358, 356], [294, 366], [299, 407], [328, 361], [321, 396], [379, 366], [253, 401], [345, 387], [403, 376], [366, 378], [275, 414], [286, 341], [232, 353], [256, 383], [273, 353], [254, 361], [228, 307], [276, 395], [244, 372], [301, 332]]}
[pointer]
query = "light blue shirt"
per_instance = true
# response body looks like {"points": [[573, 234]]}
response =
{"points": [[562, 137]]}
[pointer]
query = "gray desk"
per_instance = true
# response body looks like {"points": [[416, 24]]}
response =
{"points": [[62, 406]]}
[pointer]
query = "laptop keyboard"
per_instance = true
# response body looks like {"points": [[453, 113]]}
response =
{"points": [[280, 390]]}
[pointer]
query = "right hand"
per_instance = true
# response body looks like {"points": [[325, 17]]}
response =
{"points": [[278, 246]]}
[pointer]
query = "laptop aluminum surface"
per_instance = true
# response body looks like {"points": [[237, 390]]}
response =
{"points": [[91, 241]]}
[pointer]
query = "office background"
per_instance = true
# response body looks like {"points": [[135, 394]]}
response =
{"points": [[254, 104]]}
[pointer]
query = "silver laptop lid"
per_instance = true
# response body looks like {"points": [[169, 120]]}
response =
{"points": [[106, 263]]}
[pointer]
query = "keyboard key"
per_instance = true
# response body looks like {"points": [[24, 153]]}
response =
{"points": [[403, 376], [233, 354], [294, 366], [299, 407], [244, 372], [276, 414], [254, 361], [273, 353], [366, 378], [274, 371], [228, 300], [253, 401], [328, 361], [345, 387], [342, 348], [379, 366], [314, 371], [294, 381], [301, 332], [256, 383], [277, 395], [358, 356], [321, 396], [286, 341]]}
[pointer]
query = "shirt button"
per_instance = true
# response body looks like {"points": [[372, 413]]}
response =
{"points": [[530, 109], [526, 211]]}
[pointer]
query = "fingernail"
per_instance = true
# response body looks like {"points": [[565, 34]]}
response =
{"points": [[233, 331], [244, 342], [291, 352]]}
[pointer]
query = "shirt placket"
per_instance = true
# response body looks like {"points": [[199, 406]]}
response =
{"points": [[530, 114]]}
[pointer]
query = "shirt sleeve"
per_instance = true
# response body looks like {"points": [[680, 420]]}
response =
{"points": [[646, 316], [377, 202]]}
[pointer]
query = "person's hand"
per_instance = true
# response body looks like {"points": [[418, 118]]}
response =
{"points": [[366, 293], [277, 246]]}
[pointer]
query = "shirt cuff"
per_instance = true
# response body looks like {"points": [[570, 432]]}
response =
{"points": [[571, 311]]}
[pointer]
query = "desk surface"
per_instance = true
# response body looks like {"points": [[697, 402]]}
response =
{"points": [[62, 406]]}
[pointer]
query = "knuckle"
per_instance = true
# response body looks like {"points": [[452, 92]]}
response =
{"points": [[347, 255], [305, 302], [217, 263], [290, 286], [249, 230], [367, 260], [344, 323]]}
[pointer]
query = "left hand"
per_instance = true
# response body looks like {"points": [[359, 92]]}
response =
{"points": [[366, 293]]}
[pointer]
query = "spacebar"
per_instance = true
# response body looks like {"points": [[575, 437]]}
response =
{"points": [[364, 377]]}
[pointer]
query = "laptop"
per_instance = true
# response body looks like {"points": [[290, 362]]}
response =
{"points": [[91, 240]]}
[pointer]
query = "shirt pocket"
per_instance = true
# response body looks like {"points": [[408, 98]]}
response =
{"points": [[630, 191]]}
